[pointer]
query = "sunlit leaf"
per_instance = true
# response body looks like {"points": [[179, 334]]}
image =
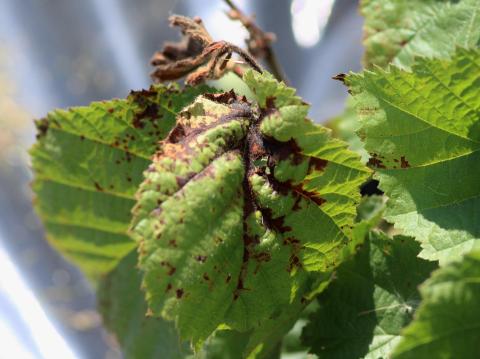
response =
{"points": [[422, 130], [244, 211], [88, 163], [400, 31]]}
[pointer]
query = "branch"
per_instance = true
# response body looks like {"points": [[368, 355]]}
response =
{"points": [[259, 43]]}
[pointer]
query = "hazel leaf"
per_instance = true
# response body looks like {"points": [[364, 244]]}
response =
{"points": [[88, 162], [373, 296], [243, 212], [421, 128], [400, 31], [447, 322]]}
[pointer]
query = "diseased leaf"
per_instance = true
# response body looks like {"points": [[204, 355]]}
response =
{"points": [[422, 129], [241, 203], [124, 309], [401, 30], [88, 163], [447, 323], [371, 299]]}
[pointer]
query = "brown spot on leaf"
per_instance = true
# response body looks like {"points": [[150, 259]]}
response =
{"points": [[200, 258], [296, 205], [374, 161], [151, 112], [179, 293], [312, 196], [181, 181], [270, 102], [42, 126], [176, 134], [98, 187], [280, 151], [340, 77], [170, 268], [404, 163], [276, 224], [224, 97], [317, 164], [291, 240], [294, 262]]}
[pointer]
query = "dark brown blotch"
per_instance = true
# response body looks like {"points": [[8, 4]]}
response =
{"points": [[179, 292], [98, 187], [340, 77], [374, 161], [404, 163], [42, 126], [316, 164], [276, 224], [200, 258]]}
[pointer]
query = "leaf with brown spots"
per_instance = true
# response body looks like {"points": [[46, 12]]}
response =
{"points": [[258, 199], [88, 163], [424, 127]]}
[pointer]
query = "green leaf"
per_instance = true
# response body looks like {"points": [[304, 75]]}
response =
{"points": [[373, 296], [398, 31], [88, 163], [123, 309], [401, 31], [422, 130], [345, 128], [240, 205], [447, 323]]}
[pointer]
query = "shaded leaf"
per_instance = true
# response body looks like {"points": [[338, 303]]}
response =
{"points": [[240, 204], [447, 323], [422, 130], [345, 128], [124, 309], [88, 163], [371, 299]]}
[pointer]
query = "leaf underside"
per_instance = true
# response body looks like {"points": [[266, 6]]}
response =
{"points": [[240, 205], [425, 148]]}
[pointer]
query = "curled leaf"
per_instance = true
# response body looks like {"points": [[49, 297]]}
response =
{"points": [[197, 55]]}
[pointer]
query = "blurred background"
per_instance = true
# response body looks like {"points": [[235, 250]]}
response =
{"points": [[61, 53]]}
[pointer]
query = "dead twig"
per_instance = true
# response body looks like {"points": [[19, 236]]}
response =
{"points": [[196, 56], [259, 43]]}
